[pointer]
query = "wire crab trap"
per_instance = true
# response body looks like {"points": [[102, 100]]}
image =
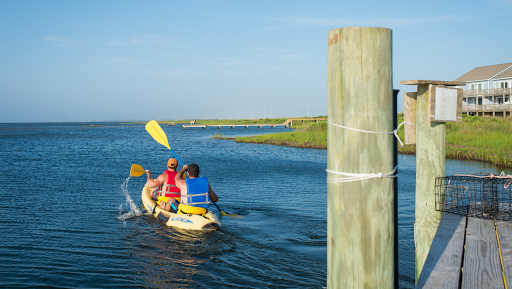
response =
{"points": [[481, 195]]}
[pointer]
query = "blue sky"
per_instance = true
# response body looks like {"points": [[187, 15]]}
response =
{"points": [[141, 60]]}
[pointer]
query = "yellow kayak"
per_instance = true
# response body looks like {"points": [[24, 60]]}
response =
{"points": [[189, 222]]}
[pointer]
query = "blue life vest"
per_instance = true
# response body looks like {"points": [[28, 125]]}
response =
{"points": [[197, 193]]}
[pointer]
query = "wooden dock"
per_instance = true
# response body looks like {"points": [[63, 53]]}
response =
{"points": [[235, 125], [287, 123], [469, 252]]}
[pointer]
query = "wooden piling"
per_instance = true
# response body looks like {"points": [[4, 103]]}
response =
{"points": [[410, 117], [430, 163], [361, 220]]}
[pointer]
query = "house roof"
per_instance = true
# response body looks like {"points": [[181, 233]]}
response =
{"points": [[506, 74], [484, 72]]}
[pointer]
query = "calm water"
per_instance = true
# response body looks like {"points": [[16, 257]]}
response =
{"points": [[70, 217]]}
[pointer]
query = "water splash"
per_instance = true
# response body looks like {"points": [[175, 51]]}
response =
{"points": [[134, 211]]}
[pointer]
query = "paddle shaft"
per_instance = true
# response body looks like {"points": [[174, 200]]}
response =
{"points": [[181, 163]]}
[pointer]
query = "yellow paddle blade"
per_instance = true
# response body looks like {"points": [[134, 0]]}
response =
{"points": [[157, 133], [137, 171]]}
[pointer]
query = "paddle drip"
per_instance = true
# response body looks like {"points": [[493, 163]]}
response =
{"points": [[134, 211]]}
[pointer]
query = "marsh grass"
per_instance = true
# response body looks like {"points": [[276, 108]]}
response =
{"points": [[475, 138], [296, 124], [312, 136]]}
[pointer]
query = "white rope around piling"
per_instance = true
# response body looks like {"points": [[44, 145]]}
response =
{"points": [[352, 177], [394, 132]]}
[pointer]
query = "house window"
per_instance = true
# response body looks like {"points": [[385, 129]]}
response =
{"points": [[480, 86], [507, 99], [499, 100], [504, 85], [479, 101], [472, 87]]}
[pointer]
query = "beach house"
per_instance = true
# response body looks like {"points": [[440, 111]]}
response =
{"points": [[488, 90]]}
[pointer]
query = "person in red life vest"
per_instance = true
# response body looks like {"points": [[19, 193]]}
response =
{"points": [[168, 193], [196, 192]]}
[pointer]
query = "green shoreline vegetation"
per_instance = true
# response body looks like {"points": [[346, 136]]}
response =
{"points": [[484, 139], [223, 121], [308, 136]]}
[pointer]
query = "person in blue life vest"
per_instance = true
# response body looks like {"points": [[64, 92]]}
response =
{"points": [[167, 192], [196, 192]]}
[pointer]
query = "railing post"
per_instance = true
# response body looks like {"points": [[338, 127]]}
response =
{"points": [[361, 220], [493, 110], [410, 117]]}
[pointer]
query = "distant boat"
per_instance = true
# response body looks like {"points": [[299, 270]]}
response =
{"points": [[171, 124]]}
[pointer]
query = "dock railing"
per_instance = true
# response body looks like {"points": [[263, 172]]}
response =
{"points": [[488, 92]]}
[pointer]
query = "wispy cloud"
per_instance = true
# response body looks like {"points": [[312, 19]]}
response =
{"points": [[67, 42], [505, 2], [348, 21], [140, 39], [121, 60], [267, 50], [276, 54]]}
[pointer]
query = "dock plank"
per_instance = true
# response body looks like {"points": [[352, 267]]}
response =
{"points": [[443, 263], [482, 266], [505, 234]]}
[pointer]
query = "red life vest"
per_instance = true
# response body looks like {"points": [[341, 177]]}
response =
{"points": [[170, 189]]}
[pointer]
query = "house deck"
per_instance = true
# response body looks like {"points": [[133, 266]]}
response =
{"points": [[469, 252]]}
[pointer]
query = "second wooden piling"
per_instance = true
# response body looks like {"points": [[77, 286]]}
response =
{"points": [[430, 163]]}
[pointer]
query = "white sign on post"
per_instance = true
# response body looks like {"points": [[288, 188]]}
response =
{"points": [[445, 104]]}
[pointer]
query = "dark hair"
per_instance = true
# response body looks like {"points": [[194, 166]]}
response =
{"points": [[193, 170]]}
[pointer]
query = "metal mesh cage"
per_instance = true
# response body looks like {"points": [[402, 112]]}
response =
{"points": [[482, 196]]}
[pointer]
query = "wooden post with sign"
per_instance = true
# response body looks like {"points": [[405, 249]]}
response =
{"points": [[361, 214], [435, 105]]}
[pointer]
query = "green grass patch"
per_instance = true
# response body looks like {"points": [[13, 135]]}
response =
{"points": [[313, 135], [296, 124], [475, 138], [484, 139]]}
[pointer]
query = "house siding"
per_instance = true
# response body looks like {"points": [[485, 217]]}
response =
{"points": [[489, 93]]}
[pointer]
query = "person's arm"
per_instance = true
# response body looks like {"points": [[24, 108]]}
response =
{"points": [[213, 195], [153, 184], [179, 181]]}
